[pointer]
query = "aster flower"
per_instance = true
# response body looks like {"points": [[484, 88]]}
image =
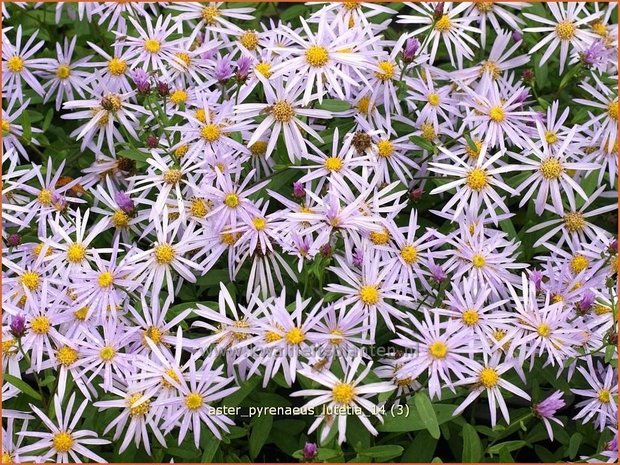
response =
{"points": [[212, 14], [487, 378], [64, 443], [546, 410], [564, 30], [444, 23], [12, 131], [283, 112], [347, 391], [600, 404], [18, 64], [550, 176]]}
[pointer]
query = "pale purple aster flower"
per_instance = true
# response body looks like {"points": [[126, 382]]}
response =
{"points": [[546, 410], [310, 451], [411, 47], [536, 276], [18, 325], [595, 54], [243, 68], [223, 69]]}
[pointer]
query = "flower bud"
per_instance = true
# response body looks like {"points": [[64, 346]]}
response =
{"points": [[310, 451], [163, 88], [18, 326], [152, 141], [14, 240]]}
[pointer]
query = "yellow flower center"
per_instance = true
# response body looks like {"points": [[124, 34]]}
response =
{"points": [[209, 14], [171, 374], [409, 254], [601, 309], [258, 148], [477, 179], [6, 127], [363, 105], [249, 40], [470, 317], [474, 154], [385, 148], [484, 7], [386, 71], [164, 254], [45, 197], [76, 253], [612, 109], [490, 67], [105, 279], [154, 334], [295, 336], [107, 353], [210, 132], [488, 377], [599, 28], [15, 64], [317, 56], [283, 111], [380, 238], [263, 68], [604, 396], [181, 151], [199, 208], [7, 458], [231, 200], [40, 324], [172, 176], [152, 45], [565, 30], [63, 72], [194, 401], [336, 340], [81, 314], [574, 222], [428, 131], [9, 347], [66, 356], [259, 223], [543, 330], [433, 99], [478, 260], [62, 441], [438, 349], [333, 164], [551, 137], [178, 96], [551, 168], [443, 24], [117, 67], [120, 219], [343, 393], [229, 238], [30, 280], [138, 410], [369, 295], [497, 114], [185, 58], [579, 263]]}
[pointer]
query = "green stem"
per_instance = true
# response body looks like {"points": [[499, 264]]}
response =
{"points": [[36, 376]]}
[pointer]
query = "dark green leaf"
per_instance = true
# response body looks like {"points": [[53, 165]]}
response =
{"points": [[382, 452], [472, 447], [427, 414], [22, 385], [260, 433]]}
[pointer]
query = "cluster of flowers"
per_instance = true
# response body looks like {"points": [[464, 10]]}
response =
{"points": [[189, 118]]}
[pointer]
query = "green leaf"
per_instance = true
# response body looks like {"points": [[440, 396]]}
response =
{"points": [[421, 449], [26, 127], [508, 445], [472, 447], [23, 386], [260, 433], [609, 353], [48, 119], [422, 143], [573, 445], [424, 406], [293, 12], [412, 421], [334, 105], [210, 448], [132, 154], [382, 452]]}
